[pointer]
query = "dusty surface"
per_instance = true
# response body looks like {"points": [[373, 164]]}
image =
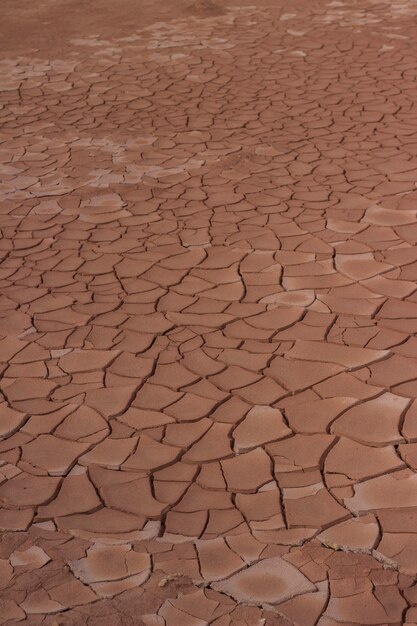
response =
{"points": [[209, 302]]}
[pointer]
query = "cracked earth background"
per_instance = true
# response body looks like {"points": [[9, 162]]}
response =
{"points": [[209, 301]]}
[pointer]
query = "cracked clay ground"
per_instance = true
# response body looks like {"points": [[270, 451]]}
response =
{"points": [[207, 319]]}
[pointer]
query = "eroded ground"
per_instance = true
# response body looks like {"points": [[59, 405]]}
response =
{"points": [[208, 311]]}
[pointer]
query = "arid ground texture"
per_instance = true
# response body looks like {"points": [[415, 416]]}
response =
{"points": [[208, 310]]}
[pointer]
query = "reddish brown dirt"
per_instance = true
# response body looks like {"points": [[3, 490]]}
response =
{"points": [[47, 25], [208, 311]]}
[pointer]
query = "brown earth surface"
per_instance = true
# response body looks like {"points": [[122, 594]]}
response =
{"points": [[208, 310]]}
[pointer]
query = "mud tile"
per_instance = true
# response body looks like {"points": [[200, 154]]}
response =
{"points": [[224, 523], [26, 490], [386, 217], [360, 266], [31, 558], [206, 389], [105, 564], [349, 357], [86, 360], [199, 499], [15, 519], [183, 435], [186, 524], [265, 391], [231, 411], [171, 614], [82, 423], [150, 454], [267, 582], [276, 319], [346, 384], [295, 375], [173, 375], [215, 444], [169, 492], [388, 491], [246, 546], [211, 476], [199, 362], [263, 506], [53, 454], [312, 507], [39, 603], [307, 608], [29, 389], [217, 560], [100, 523], [234, 377], [410, 422], [248, 360], [316, 416], [11, 611], [11, 420], [72, 593], [11, 346], [141, 419], [299, 452], [355, 534], [7, 572], [351, 609], [357, 461], [247, 472], [190, 407], [262, 424], [111, 453], [399, 549], [179, 471], [387, 287], [76, 495], [197, 604], [155, 397], [110, 402], [363, 423]]}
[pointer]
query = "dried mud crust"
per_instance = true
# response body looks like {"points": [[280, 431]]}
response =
{"points": [[208, 316]]}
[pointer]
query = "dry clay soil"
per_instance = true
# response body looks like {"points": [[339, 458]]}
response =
{"points": [[208, 309]]}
